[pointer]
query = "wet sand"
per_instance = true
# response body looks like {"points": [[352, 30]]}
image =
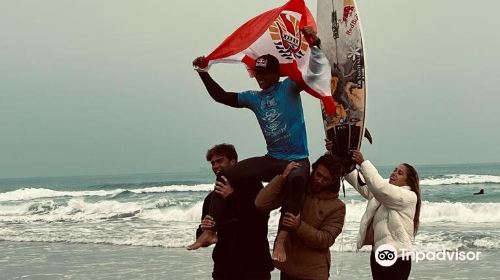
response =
{"points": [[42, 260]]}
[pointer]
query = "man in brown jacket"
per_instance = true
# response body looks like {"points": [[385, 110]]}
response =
{"points": [[316, 227]]}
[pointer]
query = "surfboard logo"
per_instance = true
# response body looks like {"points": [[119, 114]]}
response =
{"points": [[348, 11], [335, 25], [287, 38], [350, 18], [354, 53]]}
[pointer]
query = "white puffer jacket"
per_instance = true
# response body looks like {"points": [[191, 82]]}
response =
{"points": [[390, 210]]}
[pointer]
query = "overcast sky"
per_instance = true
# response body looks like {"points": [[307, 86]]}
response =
{"points": [[107, 87]]}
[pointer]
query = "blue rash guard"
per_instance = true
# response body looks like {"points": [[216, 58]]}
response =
{"points": [[281, 118]]}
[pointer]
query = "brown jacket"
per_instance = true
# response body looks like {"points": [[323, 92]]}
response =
{"points": [[308, 248]]}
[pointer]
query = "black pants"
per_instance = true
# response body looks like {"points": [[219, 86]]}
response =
{"points": [[284, 276], [398, 271], [243, 277], [265, 169]]}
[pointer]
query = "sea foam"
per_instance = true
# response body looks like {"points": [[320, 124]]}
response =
{"points": [[34, 193], [462, 179]]}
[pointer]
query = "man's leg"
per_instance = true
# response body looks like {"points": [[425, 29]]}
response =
{"points": [[296, 187], [256, 168], [284, 276], [205, 237], [259, 168]]}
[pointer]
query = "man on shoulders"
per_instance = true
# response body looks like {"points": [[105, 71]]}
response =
{"points": [[278, 109]]}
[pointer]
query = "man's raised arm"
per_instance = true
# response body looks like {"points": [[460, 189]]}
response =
{"points": [[214, 89]]}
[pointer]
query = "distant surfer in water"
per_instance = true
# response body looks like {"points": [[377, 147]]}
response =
{"points": [[480, 192], [321, 220], [278, 109], [232, 258]]}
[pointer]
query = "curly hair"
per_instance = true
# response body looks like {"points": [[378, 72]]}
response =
{"points": [[334, 165]]}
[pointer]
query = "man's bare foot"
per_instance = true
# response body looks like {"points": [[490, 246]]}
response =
{"points": [[279, 253], [207, 238]]}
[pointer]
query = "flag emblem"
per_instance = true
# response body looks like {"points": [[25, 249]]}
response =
{"points": [[277, 32], [287, 38]]}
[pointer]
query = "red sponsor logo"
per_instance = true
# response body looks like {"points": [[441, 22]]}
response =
{"points": [[352, 25], [348, 10]]}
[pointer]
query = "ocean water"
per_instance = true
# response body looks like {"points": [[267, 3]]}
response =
{"points": [[163, 210]]}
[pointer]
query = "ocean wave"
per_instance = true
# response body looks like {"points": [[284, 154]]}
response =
{"points": [[42, 207], [444, 226], [179, 243], [460, 212], [424, 242], [439, 212], [176, 188], [456, 239], [35, 193], [164, 203], [462, 179], [173, 214], [76, 210], [145, 184], [173, 210], [456, 179]]}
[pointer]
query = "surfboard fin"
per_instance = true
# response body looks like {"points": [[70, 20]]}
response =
{"points": [[368, 136]]}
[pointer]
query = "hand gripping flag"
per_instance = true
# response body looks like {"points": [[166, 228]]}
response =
{"points": [[277, 32]]}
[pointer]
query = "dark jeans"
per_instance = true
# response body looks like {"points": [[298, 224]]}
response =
{"points": [[265, 169], [398, 271]]}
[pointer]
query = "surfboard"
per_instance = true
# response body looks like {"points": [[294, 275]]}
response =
{"points": [[339, 28]]}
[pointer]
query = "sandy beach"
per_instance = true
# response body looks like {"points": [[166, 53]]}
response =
{"points": [[41, 260]]}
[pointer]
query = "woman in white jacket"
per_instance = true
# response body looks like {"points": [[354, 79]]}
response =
{"points": [[391, 216]]}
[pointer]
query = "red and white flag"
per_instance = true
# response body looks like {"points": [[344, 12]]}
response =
{"points": [[277, 32]]}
